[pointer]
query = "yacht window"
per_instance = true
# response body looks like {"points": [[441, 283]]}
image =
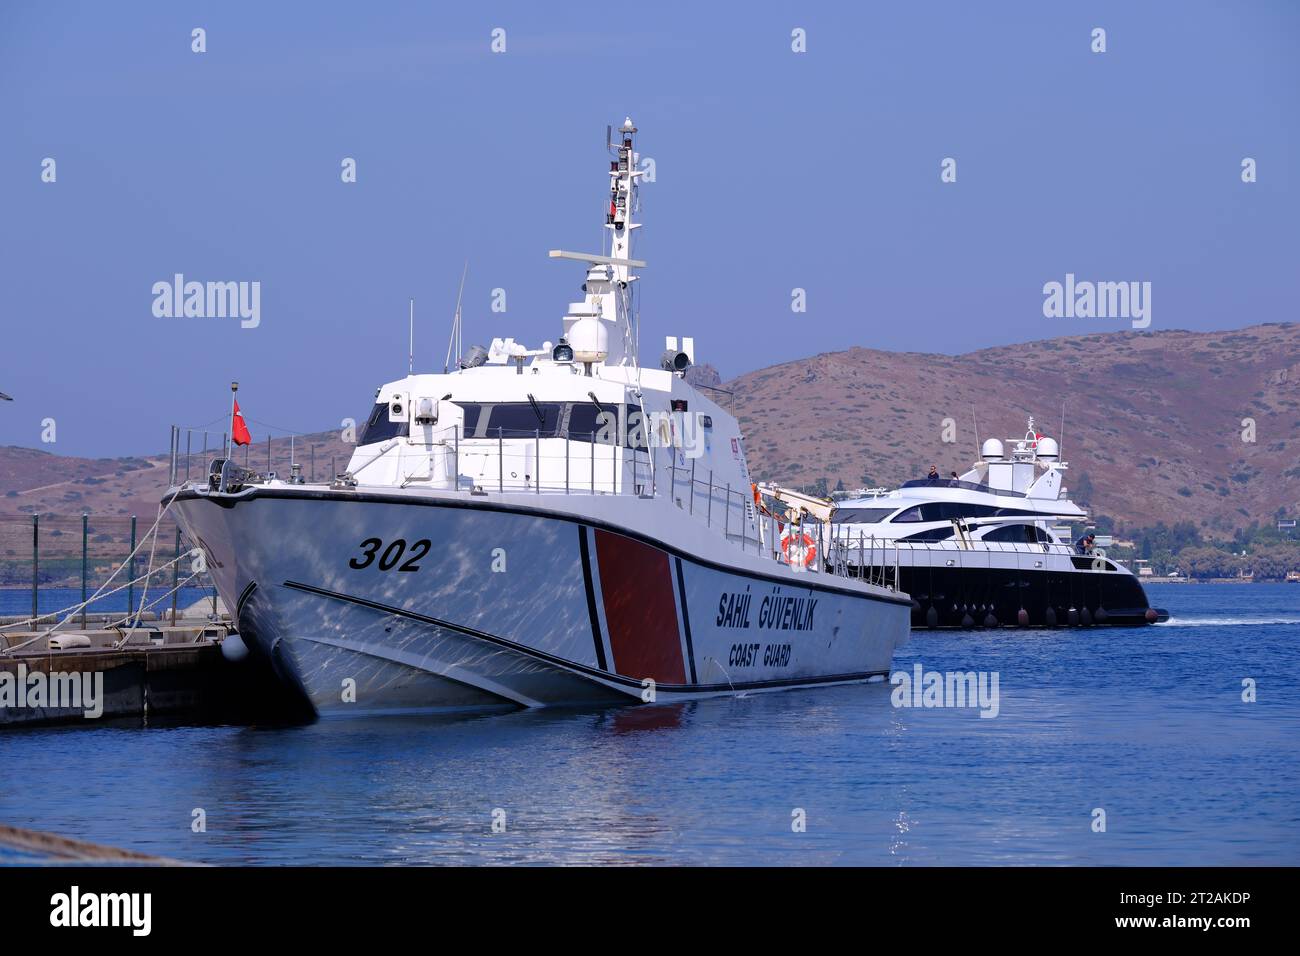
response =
{"points": [[1013, 533], [379, 428], [859, 515], [934, 534], [950, 510]]}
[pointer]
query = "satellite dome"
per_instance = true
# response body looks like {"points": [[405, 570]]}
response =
{"points": [[1049, 449], [991, 450]]}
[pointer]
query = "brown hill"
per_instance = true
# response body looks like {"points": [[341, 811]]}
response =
{"points": [[1152, 428], [32, 480], [60, 488], [1153, 421]]}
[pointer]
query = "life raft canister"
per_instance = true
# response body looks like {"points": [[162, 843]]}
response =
{"points": [[799, 548]]}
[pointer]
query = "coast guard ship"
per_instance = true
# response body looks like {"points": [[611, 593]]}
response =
{"points": [[551, 525]]}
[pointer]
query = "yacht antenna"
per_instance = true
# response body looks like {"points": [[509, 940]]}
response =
{"points": [[410, 347], [454, 344], [978, 450]]}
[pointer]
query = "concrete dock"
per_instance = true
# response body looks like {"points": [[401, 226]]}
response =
{"points": [[81, 677]]}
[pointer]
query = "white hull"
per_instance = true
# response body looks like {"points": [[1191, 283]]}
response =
{"points": [[521, 601]]}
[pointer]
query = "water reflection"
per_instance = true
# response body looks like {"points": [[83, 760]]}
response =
{"points": [[1150, 726]]}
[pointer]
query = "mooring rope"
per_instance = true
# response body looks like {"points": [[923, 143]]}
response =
{"points": [[120, 622], [153, 547], [72, 611], [162, 597], [95, 597]]}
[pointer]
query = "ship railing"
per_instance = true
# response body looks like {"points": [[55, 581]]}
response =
{"points": [[283, 452], [542, 464], [581, 464], [874, 560], [862, 549], [804, 547]]}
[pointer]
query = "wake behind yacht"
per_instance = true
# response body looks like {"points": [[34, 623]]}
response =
{"points": [[990, 547], [538, 526]]}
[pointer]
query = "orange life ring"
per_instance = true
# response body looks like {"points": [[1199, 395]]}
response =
{"points": [[799, 549]]}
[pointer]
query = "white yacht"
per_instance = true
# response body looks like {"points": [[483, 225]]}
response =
{"points": [[991, 547], [550, 525]]}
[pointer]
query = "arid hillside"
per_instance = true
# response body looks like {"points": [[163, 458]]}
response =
{"points": [[1153, 420], [1153, 427]]}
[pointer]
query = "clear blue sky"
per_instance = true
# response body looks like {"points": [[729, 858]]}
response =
{"points": [[775, 170]]}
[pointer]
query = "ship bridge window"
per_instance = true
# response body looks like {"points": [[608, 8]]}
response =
{"points": [[859, 515], [577, 421], [586, 420], [379, 428], [511, 419], [638, 426]]}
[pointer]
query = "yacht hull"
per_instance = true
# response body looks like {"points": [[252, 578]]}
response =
{"points": [[1002, 589], [493, 604]]}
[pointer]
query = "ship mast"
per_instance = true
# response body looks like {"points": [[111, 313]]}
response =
{"points": [[599, 328], [623, 177]]}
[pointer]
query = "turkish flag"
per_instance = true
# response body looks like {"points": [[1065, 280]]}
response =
{"points": [[238, 430]]}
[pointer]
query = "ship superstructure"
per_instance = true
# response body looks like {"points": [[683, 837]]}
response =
{"points": [[542, 525]]}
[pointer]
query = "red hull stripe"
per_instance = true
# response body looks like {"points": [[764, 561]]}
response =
{"points": [[637, 586]]}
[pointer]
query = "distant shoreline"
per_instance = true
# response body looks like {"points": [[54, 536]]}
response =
{"points": [[1160, 580]]}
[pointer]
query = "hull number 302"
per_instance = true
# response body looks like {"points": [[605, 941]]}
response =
{"points": [[389, 557]]}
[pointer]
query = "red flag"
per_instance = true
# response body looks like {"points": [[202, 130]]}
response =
{"points": [[238, 430]]}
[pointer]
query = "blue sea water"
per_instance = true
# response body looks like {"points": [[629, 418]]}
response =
{"points": [[49, 600], [1146, 724]]}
